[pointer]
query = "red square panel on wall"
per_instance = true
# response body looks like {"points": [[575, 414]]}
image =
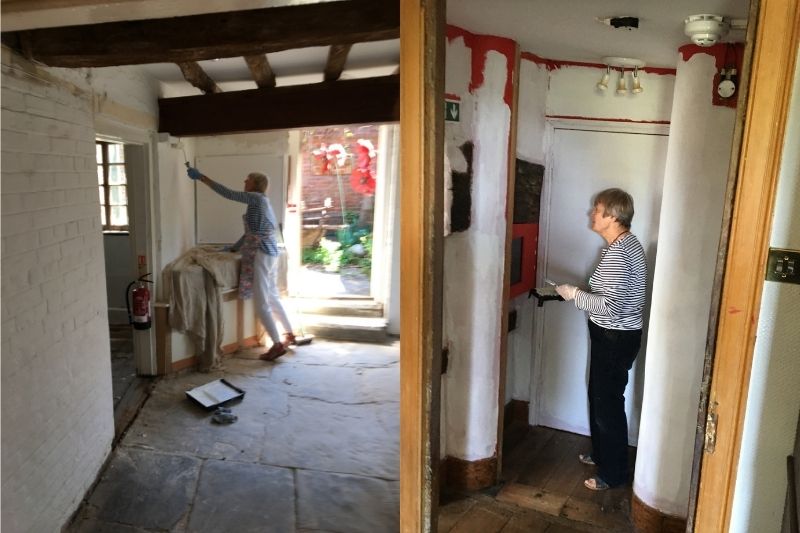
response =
{"points": [[524, 242]]}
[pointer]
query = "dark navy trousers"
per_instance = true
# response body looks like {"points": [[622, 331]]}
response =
{"points": [[612, 354]]}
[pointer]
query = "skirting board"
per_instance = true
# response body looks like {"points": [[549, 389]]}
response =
{"points": [[460, 474], [648, 520]]}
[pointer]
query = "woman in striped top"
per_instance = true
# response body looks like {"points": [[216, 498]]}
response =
{"points": [[258, 271], [615, 302]]}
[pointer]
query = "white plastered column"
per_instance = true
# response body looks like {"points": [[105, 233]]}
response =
{"points": [[695, 175]]}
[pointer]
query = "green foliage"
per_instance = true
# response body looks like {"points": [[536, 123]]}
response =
{"points": [[335, 254]]}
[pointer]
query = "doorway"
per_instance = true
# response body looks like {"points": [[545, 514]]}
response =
{"points": [[121, 178], [633, 161]]}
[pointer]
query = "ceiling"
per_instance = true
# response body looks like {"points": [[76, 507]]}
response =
{"points": [[568, 29], [563, 30], [218, 48]]}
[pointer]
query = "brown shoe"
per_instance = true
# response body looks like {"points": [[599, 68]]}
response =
{"points": [[291, 340], [275, 351]]}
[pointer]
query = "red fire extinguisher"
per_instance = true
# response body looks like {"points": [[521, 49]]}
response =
{"points": [[141, 317]]}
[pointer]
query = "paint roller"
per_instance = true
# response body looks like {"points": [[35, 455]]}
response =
{"points": [[175, 142]]}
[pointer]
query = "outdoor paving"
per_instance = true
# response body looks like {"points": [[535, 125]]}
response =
{"points": [[315, 448]]}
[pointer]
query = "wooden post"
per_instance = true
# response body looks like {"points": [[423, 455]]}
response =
{"points": [[421, 206], [770, 86]]}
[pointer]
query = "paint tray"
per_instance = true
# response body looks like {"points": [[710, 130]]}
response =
{"points": [[215, 393], [543, 294]]}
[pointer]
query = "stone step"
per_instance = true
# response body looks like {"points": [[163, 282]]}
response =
{"points": [[344, 328], [354, 307]]}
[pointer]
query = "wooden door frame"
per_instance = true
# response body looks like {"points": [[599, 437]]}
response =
{"points": [[422, 34], [776, 43]]}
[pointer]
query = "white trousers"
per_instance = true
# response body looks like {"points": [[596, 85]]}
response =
{"points": [[266, 297]]}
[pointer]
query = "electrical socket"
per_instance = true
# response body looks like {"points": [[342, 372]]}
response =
{"points": [[783, 265]]}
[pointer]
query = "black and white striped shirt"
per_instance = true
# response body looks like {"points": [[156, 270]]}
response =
{"points": [[259, 218], [618, 286]]}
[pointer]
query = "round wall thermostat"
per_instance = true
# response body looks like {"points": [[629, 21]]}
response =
{"points": [[726, 88]]}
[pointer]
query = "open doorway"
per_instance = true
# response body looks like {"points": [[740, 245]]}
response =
{"points": [[117, 165], [341, 230]]}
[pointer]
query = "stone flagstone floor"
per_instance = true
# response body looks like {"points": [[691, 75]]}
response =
{"points": [[315, 448]]}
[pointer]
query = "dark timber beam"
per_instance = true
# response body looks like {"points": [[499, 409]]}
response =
{"points": [[370, 100], [337, 57], [261, 71], [194, 74], [211, 36]]}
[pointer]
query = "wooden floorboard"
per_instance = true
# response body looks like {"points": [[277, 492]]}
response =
{"points": [[542, 492]]}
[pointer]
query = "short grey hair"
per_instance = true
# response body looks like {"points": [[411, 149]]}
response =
{"points": [[618, 204], [261, 181]]}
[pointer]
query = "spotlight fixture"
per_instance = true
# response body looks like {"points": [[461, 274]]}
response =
{"points": [[603, 83], [623, 63], [622, 87], [637, 84]]}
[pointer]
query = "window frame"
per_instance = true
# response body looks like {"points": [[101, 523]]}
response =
{"points": [[105, 207]]}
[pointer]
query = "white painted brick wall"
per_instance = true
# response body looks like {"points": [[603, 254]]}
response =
{"points": [[57, 420]]}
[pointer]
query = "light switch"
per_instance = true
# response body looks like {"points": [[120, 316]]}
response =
{"points": [[783, 265]]}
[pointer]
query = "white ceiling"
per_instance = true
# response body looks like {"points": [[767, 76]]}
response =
{"points": [[567, 29]]}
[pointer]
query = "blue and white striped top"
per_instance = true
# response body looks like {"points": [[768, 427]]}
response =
{"points": [[259, 219], [618, 286]]}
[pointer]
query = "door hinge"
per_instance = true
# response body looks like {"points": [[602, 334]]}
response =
{"points": [[711, 429]]}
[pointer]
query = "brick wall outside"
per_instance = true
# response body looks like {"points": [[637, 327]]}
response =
{"points": [[57, 421], [318, 187]]}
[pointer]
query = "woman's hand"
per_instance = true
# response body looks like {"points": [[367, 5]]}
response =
{"points": [[567, 291]]}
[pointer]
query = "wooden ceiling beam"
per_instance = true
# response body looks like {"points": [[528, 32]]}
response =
{"points": [[368, 100], [211, 36], [337, 57], [261, 70], [194, 74]]}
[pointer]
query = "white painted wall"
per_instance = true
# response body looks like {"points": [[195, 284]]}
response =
{"points": [[694, 186], [533, 83], [773, 400], [57, 422], [473, 259], [573, 92]]}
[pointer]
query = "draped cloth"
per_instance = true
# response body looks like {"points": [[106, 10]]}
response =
{"points": [[193, 284]]}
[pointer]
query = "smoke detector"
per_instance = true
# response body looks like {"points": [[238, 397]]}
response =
{"points": [[706, 30]]}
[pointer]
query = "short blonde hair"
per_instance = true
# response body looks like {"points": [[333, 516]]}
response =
{"points": [[261, 181]]}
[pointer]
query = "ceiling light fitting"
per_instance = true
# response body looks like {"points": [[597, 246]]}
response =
{"points": [[603, 83], [622, 63]]}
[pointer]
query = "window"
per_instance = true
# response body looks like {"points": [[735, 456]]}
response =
{"points": [[112, 183]]}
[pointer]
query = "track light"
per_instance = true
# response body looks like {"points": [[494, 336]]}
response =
{"points": [[637, 84], [622, 63], [622, 87], [603, 83]]}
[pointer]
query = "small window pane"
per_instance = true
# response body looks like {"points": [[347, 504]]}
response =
{"points": [[116, 175], [99, 151], [102, 196], [99, 174], [119, 215], [117, 195], [103, 217], [115, 154]]}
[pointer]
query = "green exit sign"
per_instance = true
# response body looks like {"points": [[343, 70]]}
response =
{"points": [[452, 110]]}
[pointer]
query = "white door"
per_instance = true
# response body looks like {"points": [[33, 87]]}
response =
{"points": [[582, 164], [219, 220]]}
